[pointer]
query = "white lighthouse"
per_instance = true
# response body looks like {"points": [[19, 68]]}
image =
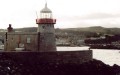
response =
{"points": [[46, 30]]}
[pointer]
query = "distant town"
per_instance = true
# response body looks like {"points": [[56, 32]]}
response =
{"points": [[95, 37]]}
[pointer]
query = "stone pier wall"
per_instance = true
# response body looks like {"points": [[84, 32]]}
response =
{"points": [[58, 57]]}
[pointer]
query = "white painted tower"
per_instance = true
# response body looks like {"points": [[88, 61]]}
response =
{"points": [[46, 30]]}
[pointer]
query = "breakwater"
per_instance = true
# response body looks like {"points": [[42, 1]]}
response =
{"points": [[9, 66]]}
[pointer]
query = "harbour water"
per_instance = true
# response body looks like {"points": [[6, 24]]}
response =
{"points": [[108, 56]]}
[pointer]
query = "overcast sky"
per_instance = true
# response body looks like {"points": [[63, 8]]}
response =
{"points": [[69, 13]]}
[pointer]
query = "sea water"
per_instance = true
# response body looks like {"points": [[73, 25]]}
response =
{"points": [[108, 56]]}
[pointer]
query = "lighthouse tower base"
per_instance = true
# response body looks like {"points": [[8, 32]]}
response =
{"points": [[47, 42]]}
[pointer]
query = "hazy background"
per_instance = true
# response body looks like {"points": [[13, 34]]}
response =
{"points": [[69, 13]]}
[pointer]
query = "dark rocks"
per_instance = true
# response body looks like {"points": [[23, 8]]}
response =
{"points": [[8, 66]]}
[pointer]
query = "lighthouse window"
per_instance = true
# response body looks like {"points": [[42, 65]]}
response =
{"points": [[50, 25], [12, 39], [43, 27]]}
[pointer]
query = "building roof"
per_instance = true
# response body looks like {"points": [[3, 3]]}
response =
{"points": [[46, 9]]}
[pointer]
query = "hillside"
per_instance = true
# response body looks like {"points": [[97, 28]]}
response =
{"points": [[97, 29], [73, 36], [28, 29], [94, 29]]}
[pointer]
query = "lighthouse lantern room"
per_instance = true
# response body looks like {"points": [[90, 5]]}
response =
{"points": [[46, 16]]}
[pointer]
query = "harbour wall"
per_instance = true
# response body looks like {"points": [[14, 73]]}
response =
{"points": [[58, 57]]}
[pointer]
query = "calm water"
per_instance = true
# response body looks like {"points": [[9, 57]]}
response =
{"points": [[108, 56]]}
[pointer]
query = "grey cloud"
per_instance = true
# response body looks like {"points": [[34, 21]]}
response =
{"points": [[95, 19], [101, 16], [89, 16]]}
